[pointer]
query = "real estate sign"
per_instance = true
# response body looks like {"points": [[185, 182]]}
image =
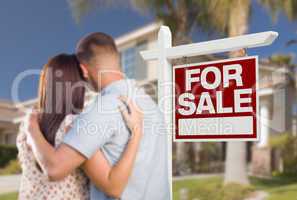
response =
{"points": [[216, 100]]}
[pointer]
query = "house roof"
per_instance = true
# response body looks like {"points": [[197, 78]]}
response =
{"points": [[9, 111], [140, 32]]}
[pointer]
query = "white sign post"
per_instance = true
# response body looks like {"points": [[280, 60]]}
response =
{"points": [[166, 52]]}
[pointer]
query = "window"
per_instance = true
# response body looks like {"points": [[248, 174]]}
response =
{"points": [[128, 62], [141, 70], [9, 138], [6, 139], [132, 63]]}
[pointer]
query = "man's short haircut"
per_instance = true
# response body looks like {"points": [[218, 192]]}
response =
{"points": [[93, 45]]}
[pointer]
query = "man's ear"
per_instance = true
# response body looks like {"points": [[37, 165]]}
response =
{"points": [[84, 70]]}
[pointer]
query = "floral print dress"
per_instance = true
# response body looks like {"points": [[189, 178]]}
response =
{"points": [[36, 186]]}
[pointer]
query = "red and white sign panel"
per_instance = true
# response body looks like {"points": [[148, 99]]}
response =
{"points": [[216, 101]]}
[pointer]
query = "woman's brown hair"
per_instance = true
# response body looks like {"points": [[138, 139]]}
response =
{"points": [[61, 92]]}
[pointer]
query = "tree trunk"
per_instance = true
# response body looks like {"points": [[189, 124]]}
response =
{"points": [[236, 163], [183, 149], [184, 162], [236, 166], [183, 158]]}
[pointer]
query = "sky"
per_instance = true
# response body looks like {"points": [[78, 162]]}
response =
{"points": [[32, 31]]}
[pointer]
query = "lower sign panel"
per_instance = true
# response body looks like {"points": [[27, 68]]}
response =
{"points": [[216, 126], [216, 101]]}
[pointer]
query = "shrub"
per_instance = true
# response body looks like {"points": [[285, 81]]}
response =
{"points": [[231, 191], [13, 167], [7, 153], [211, 160], [287, 145]]}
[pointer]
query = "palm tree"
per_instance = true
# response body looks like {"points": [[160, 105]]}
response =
{"points": [[288, 7], [231, 17], [180, 16]]}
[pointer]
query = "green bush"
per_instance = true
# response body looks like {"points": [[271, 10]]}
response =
{"points": [[7, 153], [210, 159], [13, 167], [287, 144], [231, 191], [279, 141]]}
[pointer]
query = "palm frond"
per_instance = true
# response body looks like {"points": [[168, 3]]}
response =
{"points": [[282, 59], [80, 8], [288, 7], [291, 42]]}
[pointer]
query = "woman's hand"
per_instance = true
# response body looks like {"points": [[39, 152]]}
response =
{"points": [[32, 126], [133, 117]]}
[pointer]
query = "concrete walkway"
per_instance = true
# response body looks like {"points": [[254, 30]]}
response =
{"points": [[258, 195], [9, 183], [195, 176]]}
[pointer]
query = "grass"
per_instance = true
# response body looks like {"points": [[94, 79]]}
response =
{"points": [[9, 196], [196, 188], [284, 188], [279, 188]]}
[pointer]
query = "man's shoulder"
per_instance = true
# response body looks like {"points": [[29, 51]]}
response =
{"points": [[108, 100], [103, 105]]}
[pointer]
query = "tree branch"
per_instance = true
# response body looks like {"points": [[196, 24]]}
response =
{"points": [[170, 7]]}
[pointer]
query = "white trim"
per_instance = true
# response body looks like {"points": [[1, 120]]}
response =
{"points": [[18, 120], [266, 91], [215, 46], [279, 69], [29, 102], [141, 32], [6, 120]]}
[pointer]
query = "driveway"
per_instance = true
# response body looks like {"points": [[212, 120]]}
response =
{"points": [[9, 183]]}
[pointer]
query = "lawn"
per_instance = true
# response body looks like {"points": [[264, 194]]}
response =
{"points": [[279, 188], [9, 196]]}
